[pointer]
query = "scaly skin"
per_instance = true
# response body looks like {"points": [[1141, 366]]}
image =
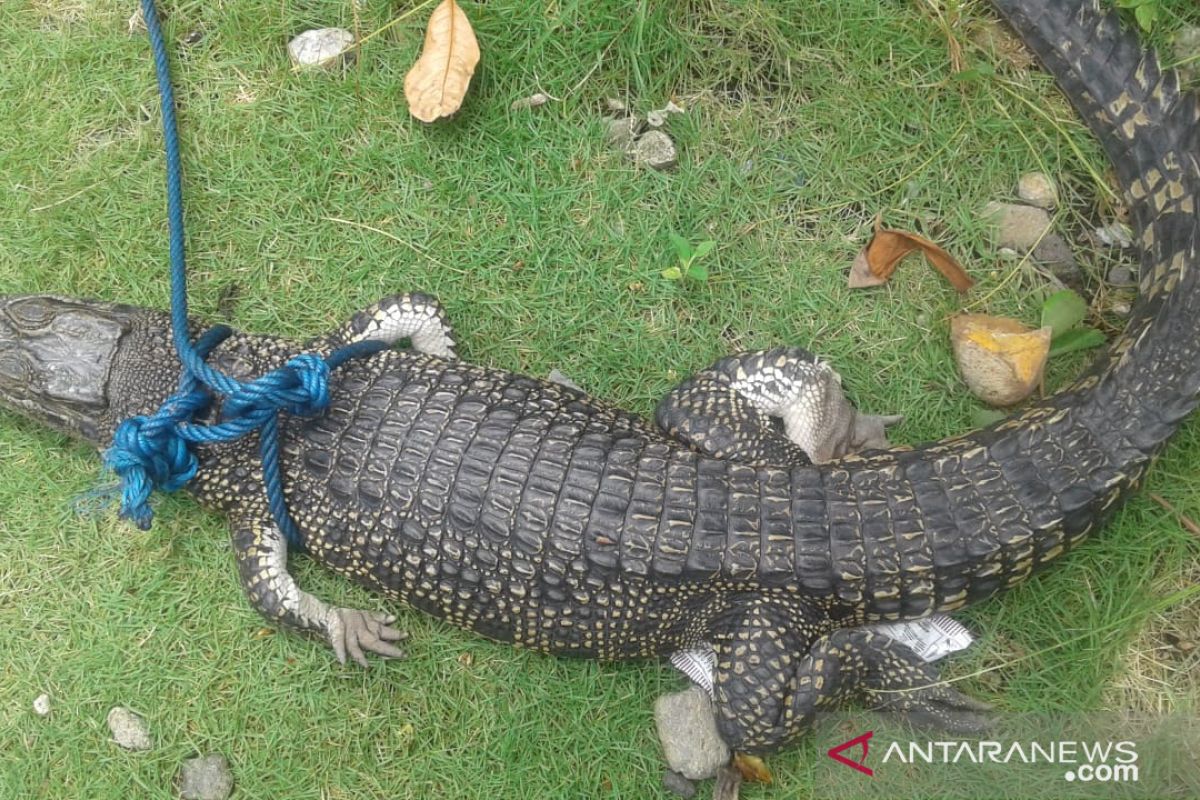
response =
{"points": [[533, 514]]}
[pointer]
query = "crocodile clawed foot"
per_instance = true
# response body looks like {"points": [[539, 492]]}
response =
{"points": [[356, 633], [939, 707]]}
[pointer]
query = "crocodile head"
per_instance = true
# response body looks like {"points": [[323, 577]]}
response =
{"points": [[77, 365]]}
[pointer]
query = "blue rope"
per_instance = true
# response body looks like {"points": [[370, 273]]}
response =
{"points": [[157, 451]]}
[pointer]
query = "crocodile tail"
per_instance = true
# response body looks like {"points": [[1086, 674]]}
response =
{"points": [[1150, 378], [905, 532]]}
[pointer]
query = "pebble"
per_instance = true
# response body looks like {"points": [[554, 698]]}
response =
{"points": [[128, 729], [678, 785], [1114, 234], [1121, 276], [1037, 189], [1121, 308], [533, 101], [621, 132], [1017, 226], [654, 149], [322, 47], [41, 705], [1054, 253], [687, 729], [205, 778], [614, 106]]}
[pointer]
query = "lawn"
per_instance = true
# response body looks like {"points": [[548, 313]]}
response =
{"points": [[311, 195]]}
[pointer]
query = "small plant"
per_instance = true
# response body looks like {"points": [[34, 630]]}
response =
{"points": [[1062, 313], [1146, 12], [688, 257]]}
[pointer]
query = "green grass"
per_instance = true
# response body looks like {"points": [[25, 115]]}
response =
{"points": [[804, 120]]}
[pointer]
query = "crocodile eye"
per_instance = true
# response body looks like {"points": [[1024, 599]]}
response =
{"points": [[13, 368], [32, 313]]}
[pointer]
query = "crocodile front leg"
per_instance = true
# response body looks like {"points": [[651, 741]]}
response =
{"points": [[775, 670], [261, 552]]}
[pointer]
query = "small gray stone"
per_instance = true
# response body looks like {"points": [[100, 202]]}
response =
{"points": [[614, 106], [533, 101], [322, 47], [687, 729], [205, 778], [654, 149], [1017, 226], [1037, 189], [621, 132], [41, 705], [1121, 276], [562, 380], [128, 729], [1114, 234], [1054, 253], [678, 785]]}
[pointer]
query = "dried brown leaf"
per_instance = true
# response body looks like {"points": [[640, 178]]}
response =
{"points": [[877, 261], [437, 83]]}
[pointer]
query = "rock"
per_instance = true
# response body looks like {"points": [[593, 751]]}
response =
{"points": [[1037, 189], [621, 132], [1121, 276], [687, 729], [614, 106], [1054, 253], [533, 101], [654, 149], [678, 785], [205, 778], [1114, 234], [1187, 46], [1121, 308], [327, 48], [128, 729], [562, 380], [41, 705], [1017, 226]]}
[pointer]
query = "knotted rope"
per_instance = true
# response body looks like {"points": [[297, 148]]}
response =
{"points": [[157, 451]]}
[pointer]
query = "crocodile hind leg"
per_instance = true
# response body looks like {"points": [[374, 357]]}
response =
{"points": [[261, 552], [779, 407], [417, 317], [710, 413], [774, 674]]}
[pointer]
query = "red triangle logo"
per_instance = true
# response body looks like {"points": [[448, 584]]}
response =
{"points": [[858, 741]]}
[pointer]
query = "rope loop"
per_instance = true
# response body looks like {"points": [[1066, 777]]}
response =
{"points": [[157, 451]]}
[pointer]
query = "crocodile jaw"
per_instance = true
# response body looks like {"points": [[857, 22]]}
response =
{"points": [[56, 357]]}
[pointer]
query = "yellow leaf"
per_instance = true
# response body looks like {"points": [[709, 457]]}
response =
{"points": [[1000, 359], [437, 83], [752, 768]]}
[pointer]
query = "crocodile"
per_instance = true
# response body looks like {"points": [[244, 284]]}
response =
{"points": [[535, 514]]}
